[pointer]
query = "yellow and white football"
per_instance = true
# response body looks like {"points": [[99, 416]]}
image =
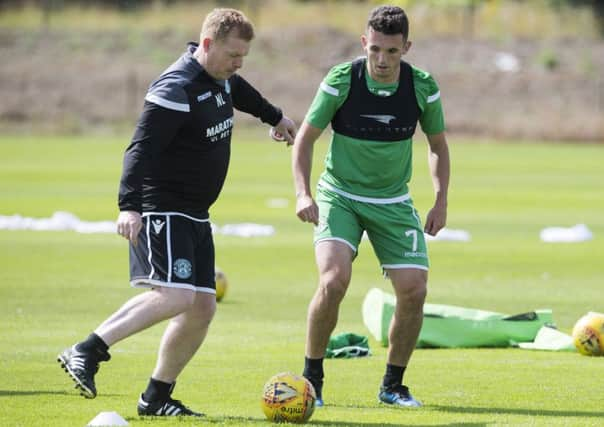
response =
{"points": [[288, 398], [588, 334]]}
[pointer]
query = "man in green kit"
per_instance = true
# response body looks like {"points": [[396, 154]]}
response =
{"points": [[373, 104]]}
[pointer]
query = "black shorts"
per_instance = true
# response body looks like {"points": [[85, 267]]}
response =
{"points": [[174, 251]]}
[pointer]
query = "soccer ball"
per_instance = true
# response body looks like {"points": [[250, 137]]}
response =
{"points": [[288, 398], [588, 334], [221, 283]]}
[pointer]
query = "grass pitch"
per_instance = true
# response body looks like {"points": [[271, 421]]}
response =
{"points": [[57, 286]]}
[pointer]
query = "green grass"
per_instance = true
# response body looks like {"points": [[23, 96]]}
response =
{"points": [[57, 286]]}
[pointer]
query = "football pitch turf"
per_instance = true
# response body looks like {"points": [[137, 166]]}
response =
{"points": [[58, 286]]}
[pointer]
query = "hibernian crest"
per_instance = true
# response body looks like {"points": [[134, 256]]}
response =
{"points": [[182, 268]]}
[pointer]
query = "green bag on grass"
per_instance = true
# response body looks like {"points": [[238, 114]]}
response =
{"points": [[448, 326], [347, 345]]}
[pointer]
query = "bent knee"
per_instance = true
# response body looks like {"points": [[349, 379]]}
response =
{"points": [[333, 287], [411, 289], [204, 308], [417, 294]]}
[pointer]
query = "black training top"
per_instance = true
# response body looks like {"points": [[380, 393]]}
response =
{"points": [[179, 154], [351, 119]]}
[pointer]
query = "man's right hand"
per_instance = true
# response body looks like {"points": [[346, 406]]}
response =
{"points": [[129, 223], [285, 130], [307, 209]]}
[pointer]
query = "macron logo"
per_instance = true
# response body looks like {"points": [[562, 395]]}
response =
{"points": [[382, 118], [158, 224]]}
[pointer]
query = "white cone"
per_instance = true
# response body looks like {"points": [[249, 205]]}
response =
{"points": [[107, 419]]}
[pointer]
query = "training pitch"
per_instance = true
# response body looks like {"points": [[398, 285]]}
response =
{"points": [[57, 286]]}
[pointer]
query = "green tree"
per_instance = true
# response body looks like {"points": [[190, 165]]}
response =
{"points": [[597, 7]]}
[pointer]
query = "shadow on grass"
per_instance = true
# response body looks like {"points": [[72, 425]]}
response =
{"points": [[250, 420], [348, 423], [4, 393], [544, 412], [16, 393]]}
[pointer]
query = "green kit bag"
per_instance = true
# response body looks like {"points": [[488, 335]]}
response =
{"points": [[347, 345], [447, 326]]}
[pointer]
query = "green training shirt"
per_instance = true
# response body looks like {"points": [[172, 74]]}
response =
{"points": [[368, 168]]}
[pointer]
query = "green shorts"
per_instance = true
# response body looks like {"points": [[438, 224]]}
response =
{"points": [[394, 229]]}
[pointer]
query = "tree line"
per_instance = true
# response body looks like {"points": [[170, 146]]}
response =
{"points": [[597, 6]]}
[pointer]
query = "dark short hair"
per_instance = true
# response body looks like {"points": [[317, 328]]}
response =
{"points": [[389, 20]]}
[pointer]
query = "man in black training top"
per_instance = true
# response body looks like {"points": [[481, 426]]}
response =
{"points": [[173, 171]]}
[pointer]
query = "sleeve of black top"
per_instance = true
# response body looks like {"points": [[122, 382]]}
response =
{"points": [[247, 99], [156, 129]]}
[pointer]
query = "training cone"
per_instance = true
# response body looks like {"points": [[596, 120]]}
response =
{"points": [[107, 419]]}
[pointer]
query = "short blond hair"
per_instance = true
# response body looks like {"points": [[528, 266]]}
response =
{"points": [[220, 22]]}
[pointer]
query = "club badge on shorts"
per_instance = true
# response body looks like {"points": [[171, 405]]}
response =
{"points": [[182, 268]]}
